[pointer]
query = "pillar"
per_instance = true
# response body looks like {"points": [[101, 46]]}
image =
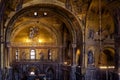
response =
{"points": [[9, 55], [119, 63], [116, 15], [74, 54], [2, 9], [60, 55], [59, 71], [73, 67]]}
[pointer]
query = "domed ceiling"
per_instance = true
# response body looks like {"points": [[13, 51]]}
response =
{"points": [[40, 34], [99, 18], [89, 12], [36, 26]]}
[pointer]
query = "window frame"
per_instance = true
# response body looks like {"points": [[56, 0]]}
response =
{"points": [[17, 54], [32, 54]]}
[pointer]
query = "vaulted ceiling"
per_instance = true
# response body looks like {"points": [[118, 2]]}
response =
{"points": [[91, 13]]}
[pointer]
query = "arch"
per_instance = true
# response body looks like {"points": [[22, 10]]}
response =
{"points": [[48, 69], [50, 74], [47, 27], [70, 19], [33, 68], [108, 55]]}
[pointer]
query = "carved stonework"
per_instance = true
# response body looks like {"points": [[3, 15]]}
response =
{"points": [[48, 70]]}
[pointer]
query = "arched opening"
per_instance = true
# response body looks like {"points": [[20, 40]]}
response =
{"points": [[108, 57], [44, 35], [50, 75], [107, 63], [32, 70]]}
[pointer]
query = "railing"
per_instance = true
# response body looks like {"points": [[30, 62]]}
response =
{"points": [[101, 74], [108, 75], [22, 69], [34, 61]]}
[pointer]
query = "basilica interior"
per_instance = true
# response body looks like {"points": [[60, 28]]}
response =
{"points": [[59, 39]]}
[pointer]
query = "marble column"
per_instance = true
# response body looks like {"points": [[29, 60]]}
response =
{"points": [[58, 70], [74, 54], [1, 33], [2, 10], [118, 58], [116, 13], [119, 70], [9, 55], [73, 67], [119, 65], [60, 55]]}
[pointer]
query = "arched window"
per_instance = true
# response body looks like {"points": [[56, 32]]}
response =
{"points": [[16, 53], [32, 54]]}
